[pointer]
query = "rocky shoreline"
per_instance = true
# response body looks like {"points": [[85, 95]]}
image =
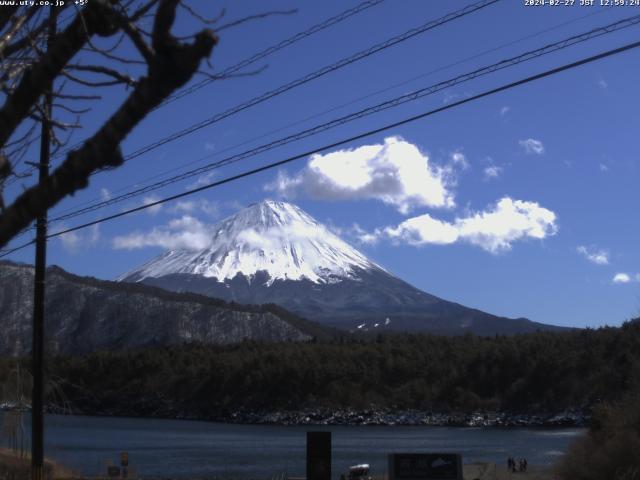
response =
{"points": [[357, 417], [567, 418]]}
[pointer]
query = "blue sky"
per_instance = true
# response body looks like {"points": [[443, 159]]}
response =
{"points": [[520, 204]]}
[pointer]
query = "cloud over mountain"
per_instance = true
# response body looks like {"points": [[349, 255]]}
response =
{"points": [[396, 173], [493, 230], [186, 232]]}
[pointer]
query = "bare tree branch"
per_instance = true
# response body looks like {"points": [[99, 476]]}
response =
{"points": [[171, 67], [38, 117], [142, 11], [67, 108], [5, 167], [206, 21], [63, 47], [132, 31], [63, 143], [116, 44], [251, 73], [68, 96], [257, 16], [15, 28], [5, 15], [91, 83], [25, 136], [116, 58], [110, 72], [25, 41], [165, 16]]}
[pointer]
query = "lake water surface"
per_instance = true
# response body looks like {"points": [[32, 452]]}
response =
{"points": [[180, 448]]}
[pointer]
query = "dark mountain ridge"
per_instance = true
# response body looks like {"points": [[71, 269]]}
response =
{"points": [[84, 314]]}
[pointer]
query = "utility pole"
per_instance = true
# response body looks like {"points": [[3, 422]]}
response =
{"points": [[37, 349]]}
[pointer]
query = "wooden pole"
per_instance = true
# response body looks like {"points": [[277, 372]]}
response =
{"points": [[37, 349]]}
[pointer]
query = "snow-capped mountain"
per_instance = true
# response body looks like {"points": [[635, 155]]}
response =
{"points": [[273, 252], [273, 237]]}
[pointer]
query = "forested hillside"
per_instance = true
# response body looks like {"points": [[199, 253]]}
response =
{"points": [[523, 373]]}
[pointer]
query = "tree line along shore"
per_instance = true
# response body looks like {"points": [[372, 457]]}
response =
{"points": [[527, 379]]}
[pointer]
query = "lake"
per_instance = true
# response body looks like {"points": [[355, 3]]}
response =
{"points": [[181, 448]]}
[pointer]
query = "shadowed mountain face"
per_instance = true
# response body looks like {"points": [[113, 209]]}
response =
{"points": [[374, 301], [273, 252], [84, 314]]}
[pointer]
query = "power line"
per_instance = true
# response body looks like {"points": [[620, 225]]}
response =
{"points": [[314, 75], [270, 166], [329, 22], [351, 102], [409, 97], [274, 48]]}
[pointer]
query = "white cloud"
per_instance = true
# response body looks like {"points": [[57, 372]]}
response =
{"points": [[504, 110], [626, 277], [532, 146], [78, 239], [203, 205], [621, 278], [369, 238], [187, 206], [362, 236], [201, 181], [94, 234], [510, 220], [71, 241], [449, 97], [602, 84], [459, 159], [597, 256], [105, 194], [396, 173], [149, 200], [186, 232], [603, 167], [492, 171], [494, 230], [424, 229]]}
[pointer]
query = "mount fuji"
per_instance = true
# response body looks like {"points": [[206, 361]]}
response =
{"points": [[273, 252]]}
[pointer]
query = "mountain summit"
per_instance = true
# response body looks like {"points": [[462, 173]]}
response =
{"points": [[273, 237], [273, 252]]}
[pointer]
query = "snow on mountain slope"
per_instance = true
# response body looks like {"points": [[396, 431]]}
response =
{"points": [[276, 237]]}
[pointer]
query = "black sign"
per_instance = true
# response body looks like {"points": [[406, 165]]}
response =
{"points": [[113, 471], [425, 466], [318, 455]]}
